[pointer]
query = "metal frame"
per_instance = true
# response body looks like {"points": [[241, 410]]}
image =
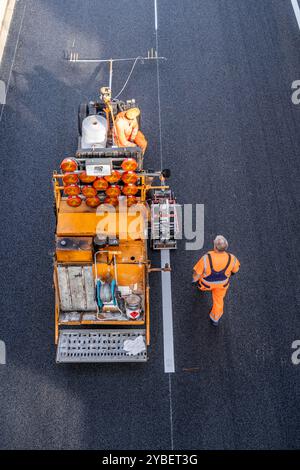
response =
{"points": [[152, 55]]}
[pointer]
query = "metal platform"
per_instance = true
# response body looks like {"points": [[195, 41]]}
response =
{"points": [[97, 346], [164, 221]]}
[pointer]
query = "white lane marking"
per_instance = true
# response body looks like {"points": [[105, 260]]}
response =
{"points": [[171, 412], [296, 11], [166, 277], [158, 94], [169, 361], [13, 61], [167, 313]]}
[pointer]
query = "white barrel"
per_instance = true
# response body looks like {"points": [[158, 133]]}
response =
{"points": [[94, 132]]}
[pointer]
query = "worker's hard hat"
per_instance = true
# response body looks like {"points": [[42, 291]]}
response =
{"points": [[132, 113]]}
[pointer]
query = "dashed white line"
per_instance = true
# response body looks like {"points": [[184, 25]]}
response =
{"points": [[296, 8], [155, 15]]}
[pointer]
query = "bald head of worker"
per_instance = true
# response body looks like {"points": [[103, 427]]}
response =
{"points": [[220, 244]]}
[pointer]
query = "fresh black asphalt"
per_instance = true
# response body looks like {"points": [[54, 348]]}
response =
{"points": [[230, 135]]}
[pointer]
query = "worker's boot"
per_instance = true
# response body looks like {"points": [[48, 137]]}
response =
{"points": [[214, 323]]}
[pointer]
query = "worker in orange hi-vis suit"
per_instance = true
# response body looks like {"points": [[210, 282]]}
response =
{"points": [[213, 272], [126, 130]]}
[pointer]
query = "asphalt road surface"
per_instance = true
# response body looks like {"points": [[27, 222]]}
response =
{"points": [[230, 135]]}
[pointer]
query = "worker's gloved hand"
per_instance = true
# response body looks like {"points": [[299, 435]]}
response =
{"points": [[195, 283]]}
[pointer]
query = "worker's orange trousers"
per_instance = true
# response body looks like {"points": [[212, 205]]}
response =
{"points": [[218, 293], [141, 141]]}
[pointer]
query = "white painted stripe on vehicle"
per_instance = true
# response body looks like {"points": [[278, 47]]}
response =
{"points": [[155, 15], [296, 11], [167, 313]]}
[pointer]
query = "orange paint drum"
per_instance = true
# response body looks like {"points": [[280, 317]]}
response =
{"points": [[84, 178], [129, 177], [72, 190], [114, 201], [93, 201], [74, 201], [130, 190], [68, 164], [114, 177], [131, 200], [70, 178], [129, 164], [113, 191], [89, 191], [100, 184]]}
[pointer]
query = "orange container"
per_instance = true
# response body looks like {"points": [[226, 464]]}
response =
{"points": [[74, 201], [100, 184], [130, 190], [114, 177], [68, 164], [114, 201], [93, 201], [74, 249], [129, 177], [70, 178], [131, 200], [89, 191], [129, 164], [113, 191], [84, 178], [72, 190]]}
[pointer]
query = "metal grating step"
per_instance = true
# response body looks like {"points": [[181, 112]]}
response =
{"points": [[97, 346]]}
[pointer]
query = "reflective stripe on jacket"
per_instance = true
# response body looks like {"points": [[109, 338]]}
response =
{"points": [[220, 266]]}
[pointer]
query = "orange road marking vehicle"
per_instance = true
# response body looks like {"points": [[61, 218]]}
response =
{"points": [[109, 210]]}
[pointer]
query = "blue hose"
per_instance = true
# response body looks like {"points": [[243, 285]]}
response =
{"points": [[98, 288]]}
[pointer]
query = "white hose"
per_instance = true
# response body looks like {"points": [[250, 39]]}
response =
{"points": [[128, 78]]}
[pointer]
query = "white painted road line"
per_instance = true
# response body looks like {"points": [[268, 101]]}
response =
{"points": [[13, 60], [155, 15], [296, 11], [167, 313], [165, 254], [171, 412], [6, 13], [158, 88], [169, 361]]}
